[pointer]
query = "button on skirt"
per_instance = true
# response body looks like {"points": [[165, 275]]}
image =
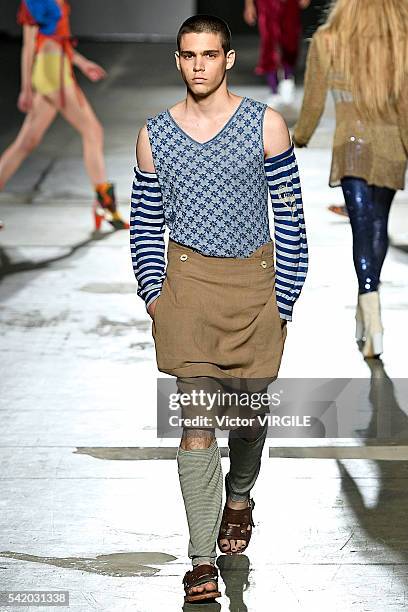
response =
{"points": [[218, 316]]}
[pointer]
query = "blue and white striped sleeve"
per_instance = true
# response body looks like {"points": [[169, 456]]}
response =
{"points": [[147, 227], [291, 250]]}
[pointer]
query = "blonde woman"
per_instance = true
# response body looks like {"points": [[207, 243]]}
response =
{"points": [[361, 55], [49, 87]]}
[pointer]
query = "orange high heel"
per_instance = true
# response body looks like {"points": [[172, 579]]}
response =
{"points": [[98, 217], [105, 208]]}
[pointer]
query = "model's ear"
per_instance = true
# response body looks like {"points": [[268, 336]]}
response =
{"points": [[230, 59], [177, 58]]}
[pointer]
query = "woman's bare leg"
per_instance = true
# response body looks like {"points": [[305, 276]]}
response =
{"points": [[84, 120], [79, 113], [36, 123]]}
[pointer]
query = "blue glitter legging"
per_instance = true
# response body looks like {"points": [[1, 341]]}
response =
{"points": [[368, 207]]}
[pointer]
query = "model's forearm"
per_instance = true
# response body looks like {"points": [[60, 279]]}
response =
{"points": [[291, 247], [147, 229], [27, 58], [78, 59], [314, 97]]}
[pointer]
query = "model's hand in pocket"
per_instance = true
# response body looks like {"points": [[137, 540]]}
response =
{"points": [[152, 307]]}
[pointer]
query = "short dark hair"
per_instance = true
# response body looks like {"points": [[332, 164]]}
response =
{"points": [[210, 24]]}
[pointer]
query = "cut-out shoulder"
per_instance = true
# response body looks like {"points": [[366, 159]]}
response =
{"points": [[275, 133], [280, 156], [144, 155]]}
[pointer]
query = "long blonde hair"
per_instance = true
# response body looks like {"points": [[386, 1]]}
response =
{"points": [[369, 45]]}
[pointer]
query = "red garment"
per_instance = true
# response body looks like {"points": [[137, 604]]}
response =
{"points": [[62, 33], [279, 27], [24, 16], [62, 36]]}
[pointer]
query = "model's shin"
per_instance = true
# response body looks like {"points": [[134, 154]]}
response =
{"points": [[201, 483], [245, 451]]}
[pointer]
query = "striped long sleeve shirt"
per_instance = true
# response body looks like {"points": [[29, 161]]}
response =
{"points": [[147, 227], [291, 250]]}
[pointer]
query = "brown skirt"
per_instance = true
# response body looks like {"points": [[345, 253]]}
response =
{"points": [[217, 316]]}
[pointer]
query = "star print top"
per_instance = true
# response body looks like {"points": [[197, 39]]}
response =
{"points": [[213, 197]]}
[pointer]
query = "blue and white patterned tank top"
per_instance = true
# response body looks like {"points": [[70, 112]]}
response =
{"points": [[215, 194]]}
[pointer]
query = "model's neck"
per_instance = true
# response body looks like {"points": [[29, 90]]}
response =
{"points": [[214, 104]]}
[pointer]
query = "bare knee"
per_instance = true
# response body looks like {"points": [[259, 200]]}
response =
{"points": [[197, 438], [93, 131]]}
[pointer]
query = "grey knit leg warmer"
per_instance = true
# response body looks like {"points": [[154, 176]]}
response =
{"points": [[201, 483]]}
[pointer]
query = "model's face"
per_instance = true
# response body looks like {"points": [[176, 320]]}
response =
{"points": [[202, 62]]}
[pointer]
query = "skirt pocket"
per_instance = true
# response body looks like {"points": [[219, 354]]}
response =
{"points": [[159, 301]]}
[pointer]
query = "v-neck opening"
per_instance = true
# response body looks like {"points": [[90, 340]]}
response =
{"points": [[234, 114]]}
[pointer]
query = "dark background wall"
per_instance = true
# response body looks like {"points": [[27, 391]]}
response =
{"points": [[138, 19], [110, 19], [232, 11]]}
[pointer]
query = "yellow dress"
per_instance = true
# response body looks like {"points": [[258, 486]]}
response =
{"points": [[47, 75], [372, 150], [52, 67]]}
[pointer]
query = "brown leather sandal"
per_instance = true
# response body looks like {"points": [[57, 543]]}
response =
{"points": [[201, 574], [234, 525]]}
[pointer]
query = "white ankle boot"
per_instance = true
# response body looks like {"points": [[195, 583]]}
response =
{"points": [[359, 322], [372, 327], [286, 90]]}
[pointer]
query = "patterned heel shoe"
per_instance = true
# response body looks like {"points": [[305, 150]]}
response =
{"points": [[105, 208]]}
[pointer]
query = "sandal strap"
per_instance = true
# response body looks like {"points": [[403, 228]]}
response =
{"points": [[235, 523], [199, 575], [239, 517], [234, 532]]}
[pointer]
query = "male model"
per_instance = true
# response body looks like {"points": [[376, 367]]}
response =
{"points": [[220, 307]]}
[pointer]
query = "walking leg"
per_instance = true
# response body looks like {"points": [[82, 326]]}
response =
{"points": [[383, 197], [368, 220], [201, 481], [360, 208], [82, 117], [36, 123], [245, 451]]}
